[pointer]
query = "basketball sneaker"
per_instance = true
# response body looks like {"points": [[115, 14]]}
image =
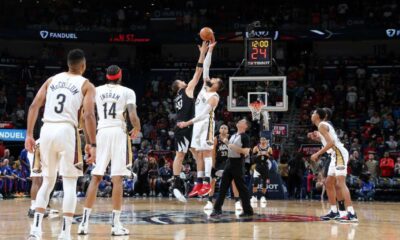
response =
{"points": [[119, 230], [253, 201], [178, 190], [208, 206], [349, 218], [238, 206], [34, 236], [205, 190], [195, 190], [83, 228], [330, 216], [216, 213], [247, 214]]}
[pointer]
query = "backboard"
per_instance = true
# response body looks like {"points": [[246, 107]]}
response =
{"points": [[270, 90]]}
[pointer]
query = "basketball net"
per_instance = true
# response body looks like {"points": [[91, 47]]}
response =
{"points": [[256, 109]]}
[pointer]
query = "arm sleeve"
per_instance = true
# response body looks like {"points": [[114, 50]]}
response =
{"points": [[206, 66], [131, 97], [245, 141], [203, 115]]}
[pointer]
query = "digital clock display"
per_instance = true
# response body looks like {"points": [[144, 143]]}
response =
{"points": [[258, 52]]}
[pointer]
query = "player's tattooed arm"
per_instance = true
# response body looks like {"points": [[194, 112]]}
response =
{"points": [[199, 69], [135, 121], [33, 112]]}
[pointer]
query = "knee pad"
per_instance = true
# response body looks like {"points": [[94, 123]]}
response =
{"points": [[69, 201], [43, 195]]}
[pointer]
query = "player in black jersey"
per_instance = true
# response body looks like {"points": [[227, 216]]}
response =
{"points": [[184, 107], [220, 156], [261, 156]]}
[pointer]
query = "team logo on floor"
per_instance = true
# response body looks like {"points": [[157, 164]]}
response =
{"points": [[191, 217]]}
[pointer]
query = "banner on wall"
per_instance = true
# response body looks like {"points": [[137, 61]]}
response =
{"points": [[13, 135]]}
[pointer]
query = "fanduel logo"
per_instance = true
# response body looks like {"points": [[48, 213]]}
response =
{"points": [[57, 35], [393, 32]]}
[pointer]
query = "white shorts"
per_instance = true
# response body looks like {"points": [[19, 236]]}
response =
{"points": [[338, 164], [203, 135], [60, 150], [112, 145]]}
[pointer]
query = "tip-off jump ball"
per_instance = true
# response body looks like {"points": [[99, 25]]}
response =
{"points": [[206, 34]]}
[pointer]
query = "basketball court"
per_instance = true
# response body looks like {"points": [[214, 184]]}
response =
{"points": [[163, 218]]}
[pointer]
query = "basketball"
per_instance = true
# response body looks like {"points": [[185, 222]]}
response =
{"points": [[206, 34]]}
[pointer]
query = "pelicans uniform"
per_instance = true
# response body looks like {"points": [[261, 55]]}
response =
{"points": [[113, 142], [339, 154], [203, 131], [59, 138]]}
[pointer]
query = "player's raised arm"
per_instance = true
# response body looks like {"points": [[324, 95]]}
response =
{"points": [[199, 68], [89, 93], [33, 112], [207, 62]]}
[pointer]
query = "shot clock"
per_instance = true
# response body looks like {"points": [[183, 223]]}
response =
{"points": [[258, 52]]}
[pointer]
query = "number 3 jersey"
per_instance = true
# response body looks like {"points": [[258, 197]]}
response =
{"points": [[64, 98], [111, 102]]}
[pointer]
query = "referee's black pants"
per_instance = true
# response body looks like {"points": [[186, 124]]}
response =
{"points": [[234, 170]]}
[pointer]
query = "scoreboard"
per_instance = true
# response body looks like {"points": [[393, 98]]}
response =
{"points": [[258, 52]]}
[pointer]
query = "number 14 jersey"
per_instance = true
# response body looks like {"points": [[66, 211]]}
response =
{"points": [[111, 102]]}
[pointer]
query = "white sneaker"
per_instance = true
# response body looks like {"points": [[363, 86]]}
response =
{"points": [[208, 206], [119, 231], [238, 206], [35, 236], [263, 200], [179, 195], [253, 202], [64, 236], [83, 228]]}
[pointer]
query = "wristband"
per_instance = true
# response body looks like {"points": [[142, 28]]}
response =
{"points": [[93, 145], [200, 65]]}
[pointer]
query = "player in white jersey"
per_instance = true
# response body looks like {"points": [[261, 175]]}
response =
{"points": [[339, 159], [62, 95], [203, 127], [113, 144]]}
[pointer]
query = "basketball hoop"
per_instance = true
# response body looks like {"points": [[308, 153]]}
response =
{"points": [[256, 108]]}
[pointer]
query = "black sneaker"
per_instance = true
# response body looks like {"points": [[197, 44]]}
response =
{"points": [[349, 218], [246, 214], [216, 213], [330, 216]]}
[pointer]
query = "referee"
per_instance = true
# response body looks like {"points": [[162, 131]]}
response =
{"points": [[239, 148]]}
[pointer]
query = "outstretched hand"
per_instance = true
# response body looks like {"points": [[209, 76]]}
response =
{"points": [[212, 45], [182, 124], [30, 144], [203, 48]]}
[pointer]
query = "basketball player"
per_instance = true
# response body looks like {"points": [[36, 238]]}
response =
{"points": [[62, 96], [262, 152], [238, 149], [220, 156], [339, 159], [332, 189], [203, 127], [184, 107], [112, 100]]}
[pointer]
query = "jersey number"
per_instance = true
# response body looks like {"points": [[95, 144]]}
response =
{"points": [[111, 111], [61, 101]]}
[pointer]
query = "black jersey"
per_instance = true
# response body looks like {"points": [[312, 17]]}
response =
{"points": [[184, 106], [222, 151], [264, 154]]}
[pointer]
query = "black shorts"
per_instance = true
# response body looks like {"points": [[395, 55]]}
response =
{"points": [[183, 137], [220, 164], [262, 169]]}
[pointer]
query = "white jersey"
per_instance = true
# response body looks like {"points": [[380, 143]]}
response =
{"points": [[332, 133], [111, 102], [202, 101], [64, 99]]}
